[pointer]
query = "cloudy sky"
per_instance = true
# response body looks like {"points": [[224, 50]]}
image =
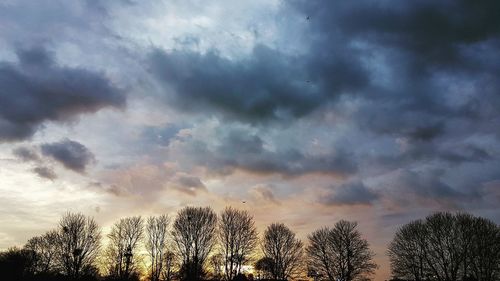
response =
{"points": [[310, 111]]}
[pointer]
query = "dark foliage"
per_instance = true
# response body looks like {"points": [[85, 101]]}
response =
{"points": [[447, 247]]}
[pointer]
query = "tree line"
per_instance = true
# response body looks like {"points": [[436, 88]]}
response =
{"points": [[198, 244]]}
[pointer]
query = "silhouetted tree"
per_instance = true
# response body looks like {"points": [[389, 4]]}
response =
{"points": [[240, 277], [217, 265], [340, 253], [281, 246], [43, 250], [447, 247], [407, 252], [156, 242], [321, 255], [238, 239], [484, 252], [78, 244], [442, 246], [122, 252], [194, 233], [16, 264], [170, 265], [264, 267]]}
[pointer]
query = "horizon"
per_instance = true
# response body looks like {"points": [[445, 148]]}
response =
{"points": [[297, 111]]}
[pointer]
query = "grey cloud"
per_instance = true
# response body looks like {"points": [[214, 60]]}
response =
{"points": [[466, 153], [31, 154], [253, 156], [451, 179], [160, 135], [111, 189], [423, 44], [428, 184], [352, 193], [190, 181], [422, 48], [422, 73], [149, 181], [36, 90], [188, 184], [439, 151], [426, 132], [263, 192], [431, 31], [431, 186], [71, 154], [53, 20], [267, 86], [45, 172], [26, 154], [240, 149]]}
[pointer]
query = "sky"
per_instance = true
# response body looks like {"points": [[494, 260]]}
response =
{"points": [[300, 111]]}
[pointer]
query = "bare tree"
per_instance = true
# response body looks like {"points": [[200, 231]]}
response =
{"points": [[156, 242], [447, 247], [264, 267], [238, 239], [78, 244], [428, 249], [285, 251], [340, 253], [217, 264], [122, 250], [170, 266], [407, 252], [484, 257], [44, 250], [321, 256], [442, 247], [194, 236], [465, 225]]}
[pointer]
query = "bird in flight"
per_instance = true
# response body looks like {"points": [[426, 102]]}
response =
{"points": [[308, 18]]}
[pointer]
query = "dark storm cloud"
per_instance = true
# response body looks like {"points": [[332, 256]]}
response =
{"points": [[352, 193], [433, 84], [424, 45], [36, 89], [267, 86], [71, 154], [431, 32], [259, 88], [423, 74], [426, 133]]}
